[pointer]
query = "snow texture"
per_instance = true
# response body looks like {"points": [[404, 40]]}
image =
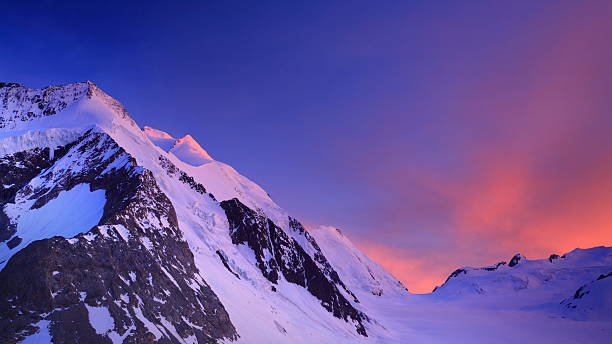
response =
{"points": [[100, 319], [70, 213]]}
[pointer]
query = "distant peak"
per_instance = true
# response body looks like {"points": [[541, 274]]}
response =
{"points": [[187, 149], [190, 151], [188, 139]]}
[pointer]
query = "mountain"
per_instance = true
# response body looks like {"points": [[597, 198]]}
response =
{"points": [[185, 149], [550, 278], [110, 233]]}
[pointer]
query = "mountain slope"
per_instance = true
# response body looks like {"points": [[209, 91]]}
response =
{"points": [[153, 231], [354, 267], [592, 301]]}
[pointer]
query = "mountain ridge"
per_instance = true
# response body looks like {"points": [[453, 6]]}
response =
{"points": [[107, 132]]}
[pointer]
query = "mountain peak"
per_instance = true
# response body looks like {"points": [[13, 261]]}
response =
{"points": [[187, 149], [72, 105], [188, 138]]}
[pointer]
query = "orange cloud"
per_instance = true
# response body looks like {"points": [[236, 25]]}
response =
{"points": [[418, 275]]}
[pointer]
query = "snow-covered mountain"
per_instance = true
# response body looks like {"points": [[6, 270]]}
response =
{"points": [[111, 233], [548, 278], [573, 285], [185, 148]]}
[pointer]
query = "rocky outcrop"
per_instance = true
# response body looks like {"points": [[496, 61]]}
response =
{"points": [[174, 171], [280, 256], [320, 258], [16, 170], [515, 260]]}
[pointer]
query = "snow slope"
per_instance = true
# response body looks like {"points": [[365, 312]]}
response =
{"points": [[160, 138], [220, 179], [50, 220], [592, 301], [355, 268]]}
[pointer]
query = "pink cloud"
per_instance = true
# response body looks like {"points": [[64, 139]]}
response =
{"points": [[538, 181]]}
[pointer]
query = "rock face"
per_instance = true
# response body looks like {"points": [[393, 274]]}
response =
{"points": [[515, 260], [131, 278], [16, 171], [318, 257], [280, 256]]}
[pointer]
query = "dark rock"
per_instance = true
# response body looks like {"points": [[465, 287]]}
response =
{"points": [[172, 170], [320, 258], [457, 273], [494, 267], [280, 256], [515, 260], [9, 84], [14, 242], [602, 276], [581, 292], [225, 263], [452, 275]]}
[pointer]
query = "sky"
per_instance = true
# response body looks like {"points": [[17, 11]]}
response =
{"points": [[435, 134]]}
